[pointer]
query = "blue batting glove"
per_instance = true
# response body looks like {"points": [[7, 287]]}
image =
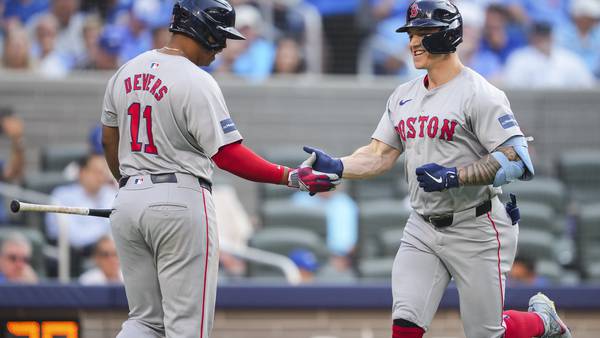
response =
{"points": [[325, 163], [513, 210], [434, 177]]}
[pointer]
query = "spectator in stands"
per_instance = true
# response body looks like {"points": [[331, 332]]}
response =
{"points": [[69, 42], [500, 36], [23, 10], [342, 34], [288, 59], [111, 12], [92, 28], [544, 65], [16, 49], [15, 258], [555, 12], [389, 50], [307, 263], [235, 228], [107, 51], [12, 127], [107, 270], [252, 58], [582, 35], [93, 190], [50, 62], [523, 272], [11, 171], [483, 62], [342, 224], [137, 37]]}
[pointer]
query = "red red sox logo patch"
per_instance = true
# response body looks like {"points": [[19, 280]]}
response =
{"points": [[414, 11]]}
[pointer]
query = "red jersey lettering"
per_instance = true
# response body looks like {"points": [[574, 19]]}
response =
{"points": [[128, 85], [448, 130], [422, 121], [410, 123]]}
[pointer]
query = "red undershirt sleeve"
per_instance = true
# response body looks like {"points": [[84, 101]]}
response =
{"points": [[243, 162]]}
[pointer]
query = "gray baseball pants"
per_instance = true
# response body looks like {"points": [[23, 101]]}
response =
{"points": [[166, 238], [476, 251]]}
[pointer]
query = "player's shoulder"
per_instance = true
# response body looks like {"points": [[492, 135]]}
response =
{"points": [[130, 65], [480, 87]]}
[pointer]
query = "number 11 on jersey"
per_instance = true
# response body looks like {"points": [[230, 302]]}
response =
{"points": [[134, 127]]}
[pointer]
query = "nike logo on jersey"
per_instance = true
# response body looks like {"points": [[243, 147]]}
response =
{"points": [[437, 179], [403, 102]]}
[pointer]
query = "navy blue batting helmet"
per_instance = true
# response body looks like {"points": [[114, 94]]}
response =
{"points": [[436, 14], [208, 22]]}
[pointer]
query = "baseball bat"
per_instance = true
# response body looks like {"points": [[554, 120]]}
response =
{"points": [[17, 206]]}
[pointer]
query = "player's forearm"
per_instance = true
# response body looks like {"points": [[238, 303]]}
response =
{"points": [[243, 162], [483, 171], [110, 143], [369, 161]]}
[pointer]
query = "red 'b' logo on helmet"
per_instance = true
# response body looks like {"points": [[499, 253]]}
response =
{"points": [[414, 11]]}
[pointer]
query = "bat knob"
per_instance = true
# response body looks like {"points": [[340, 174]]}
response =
{"points": [[15, 206]]}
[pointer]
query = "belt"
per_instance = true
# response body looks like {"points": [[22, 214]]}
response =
{"points": [[167, 178], [443, 221]]}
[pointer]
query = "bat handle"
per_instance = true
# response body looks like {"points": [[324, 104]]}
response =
{"points": [[15, 206], [100, 212]]}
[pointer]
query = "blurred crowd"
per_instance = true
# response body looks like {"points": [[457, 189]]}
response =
{"points": [[532, 43]]}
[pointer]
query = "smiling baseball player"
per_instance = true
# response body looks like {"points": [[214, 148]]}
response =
{"points": [[165, 124], [461, 142]]}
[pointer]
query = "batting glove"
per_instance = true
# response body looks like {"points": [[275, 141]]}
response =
{"points": [[513, 210], [434, 177], [324, 162], [306, 178]]}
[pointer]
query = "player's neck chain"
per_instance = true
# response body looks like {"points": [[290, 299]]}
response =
{"points": [[173, 50]]}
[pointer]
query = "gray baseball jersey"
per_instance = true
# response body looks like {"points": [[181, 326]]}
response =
{"points": [[452, 125], [172, 119], [172, 116]]}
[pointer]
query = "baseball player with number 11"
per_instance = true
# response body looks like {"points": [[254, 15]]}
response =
{"points": [[461, 143], [165, 124]]}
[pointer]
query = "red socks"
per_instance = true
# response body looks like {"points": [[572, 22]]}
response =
{"points": [[522, 324], [518, 325], [407, 332]]}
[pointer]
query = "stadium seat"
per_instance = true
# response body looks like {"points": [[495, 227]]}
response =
{"points": [[538, 216], [57, 156], [390, 240], [536, 244], [588, 239], [546, 190], [284, 213], [36, 238], [376, 218], [44, 182], [376, 268], [390, 185], [282, 241], [579, 170]]}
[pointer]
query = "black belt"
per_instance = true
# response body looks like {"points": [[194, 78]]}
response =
{"points": [[167, 178], [446, 220]]}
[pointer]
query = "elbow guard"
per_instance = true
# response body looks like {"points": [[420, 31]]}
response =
{"points": [[519, 144], [509, 170]]}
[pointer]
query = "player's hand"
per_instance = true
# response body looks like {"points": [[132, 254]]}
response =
{"points": [[324, 162], [513, 210], [306, 178], [434, 177]]}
